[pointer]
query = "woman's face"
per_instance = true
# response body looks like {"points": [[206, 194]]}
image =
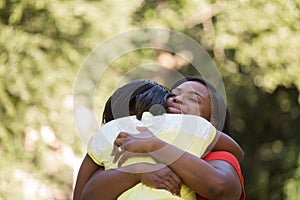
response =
{"points": [[190, 97]]}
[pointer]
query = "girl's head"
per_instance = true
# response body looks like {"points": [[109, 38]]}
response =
{"points": [[134, 98], [193, 95]]}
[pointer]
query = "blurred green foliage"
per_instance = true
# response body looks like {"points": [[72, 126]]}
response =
{"points": [[43, 44]]}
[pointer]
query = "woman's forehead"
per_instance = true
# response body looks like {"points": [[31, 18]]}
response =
{"points": [[192, 86]]}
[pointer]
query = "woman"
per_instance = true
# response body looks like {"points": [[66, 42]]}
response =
{"points": [[187, 178], [220, 177], [228, 175]]}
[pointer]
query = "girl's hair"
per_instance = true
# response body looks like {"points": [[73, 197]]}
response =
{"points": [[219, 112], [134, 98]]}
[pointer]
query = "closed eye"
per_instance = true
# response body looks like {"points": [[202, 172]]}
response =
{"points": [[194, 100]]}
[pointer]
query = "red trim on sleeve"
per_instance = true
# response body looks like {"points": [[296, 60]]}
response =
{"points": [[228, 157]]}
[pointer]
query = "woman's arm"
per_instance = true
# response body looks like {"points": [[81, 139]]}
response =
{"points": [[213, 180], [110, 184], [87, 169], [226, 143]]}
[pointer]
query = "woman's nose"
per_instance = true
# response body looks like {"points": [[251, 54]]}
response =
{"points": [[177, 99]]}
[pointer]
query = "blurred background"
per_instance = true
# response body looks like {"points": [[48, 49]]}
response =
{"points": [[43, 43]]}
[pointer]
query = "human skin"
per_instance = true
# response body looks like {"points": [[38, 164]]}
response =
{"points": [[216, 179], [93, 180]]}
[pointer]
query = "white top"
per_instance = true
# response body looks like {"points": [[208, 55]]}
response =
{"points": [[188, 132]]}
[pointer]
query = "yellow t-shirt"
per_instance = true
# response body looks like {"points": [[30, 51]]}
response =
{"points": [[190, 133]]}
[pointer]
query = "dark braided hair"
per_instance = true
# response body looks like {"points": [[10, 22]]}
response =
{"points": [[134, 98]]}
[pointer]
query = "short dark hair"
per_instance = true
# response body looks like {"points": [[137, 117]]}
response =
{"points": [[134, 98], [219, 109]]}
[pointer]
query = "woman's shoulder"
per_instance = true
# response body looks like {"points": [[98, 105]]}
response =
{"points": [[231, 159]]}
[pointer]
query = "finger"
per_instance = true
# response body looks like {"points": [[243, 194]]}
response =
{"points": [[119, 141], [117, 153], [122, 135], [114, 150], [172, 186], [144, 132], [169, 187], [142, 129], [176, 182], [123, 159], [176, 179]]}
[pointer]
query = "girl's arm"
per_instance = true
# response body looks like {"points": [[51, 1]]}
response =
{"points": [[226, 143], [92, 181], [110, 184], [87, 169]]}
